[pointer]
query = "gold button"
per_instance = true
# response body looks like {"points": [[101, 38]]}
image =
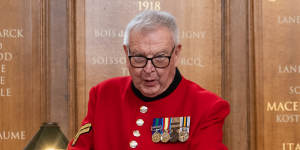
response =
{"points": [[133, 144], [140, 122], [143, 109], [136, 133]]}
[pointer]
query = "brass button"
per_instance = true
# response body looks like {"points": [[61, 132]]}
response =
{"points": [[143, 109], [133, 144], [136, 133], [140, 122]]}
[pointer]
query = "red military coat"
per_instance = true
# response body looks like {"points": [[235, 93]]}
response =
{"points": [[116, 118]]}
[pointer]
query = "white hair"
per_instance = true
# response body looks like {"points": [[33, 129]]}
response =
{"points": [[151, 20]]}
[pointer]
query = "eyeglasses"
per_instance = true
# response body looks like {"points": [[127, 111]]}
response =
{"points": [[157, 61]]}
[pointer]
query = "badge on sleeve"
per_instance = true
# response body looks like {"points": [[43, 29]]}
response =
{"points": [[83, 129]]}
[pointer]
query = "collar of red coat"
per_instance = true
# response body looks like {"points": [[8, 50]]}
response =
{"points": [[170, 89]]}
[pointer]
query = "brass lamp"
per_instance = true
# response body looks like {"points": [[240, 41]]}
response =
{"points": [[49, 137]]}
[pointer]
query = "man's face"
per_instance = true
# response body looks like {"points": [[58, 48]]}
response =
{"points": [[151, 81]]}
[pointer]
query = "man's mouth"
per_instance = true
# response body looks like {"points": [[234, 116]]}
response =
{"points": [[149, 82]]}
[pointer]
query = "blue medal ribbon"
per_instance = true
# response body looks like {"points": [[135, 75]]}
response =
{"points": [[157, 125]]}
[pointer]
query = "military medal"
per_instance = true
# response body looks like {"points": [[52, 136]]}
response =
{"points": [[184, 130], [166, 136], [156, 137], [183, 136], [156, 130], [174, 129], [174, 135], [171, 129]]}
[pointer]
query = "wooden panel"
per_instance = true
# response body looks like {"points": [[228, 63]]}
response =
{"points": [[277, 63], [72, 69], [57, 61], [103, 57], [236, 79], [22, 97], [79, 64]]}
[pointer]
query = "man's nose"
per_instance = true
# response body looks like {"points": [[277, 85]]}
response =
{"points": [[149, 67]]}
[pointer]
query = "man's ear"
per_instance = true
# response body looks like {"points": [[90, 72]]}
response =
{"points": [[126, 54], [125, 50], [177, 54]]}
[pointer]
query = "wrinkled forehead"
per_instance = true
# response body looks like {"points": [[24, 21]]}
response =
{"points": [[159, 39]]}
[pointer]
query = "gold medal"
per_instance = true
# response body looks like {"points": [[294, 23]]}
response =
{"points": [[175, 125], [156, 137], [165, 137], [174, 135], [183, 136], [184, 129], [156, 129]]}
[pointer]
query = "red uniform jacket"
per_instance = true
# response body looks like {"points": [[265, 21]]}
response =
{"points": [[114, 109]]}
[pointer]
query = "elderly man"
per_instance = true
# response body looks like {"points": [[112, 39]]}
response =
{"points": [[155, 108]]}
